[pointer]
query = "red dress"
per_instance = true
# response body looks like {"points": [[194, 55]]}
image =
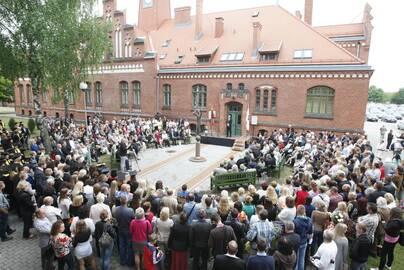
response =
{"points": [[301, 196]]}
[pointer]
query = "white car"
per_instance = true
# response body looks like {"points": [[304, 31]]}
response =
{"points": [[400, 125]]}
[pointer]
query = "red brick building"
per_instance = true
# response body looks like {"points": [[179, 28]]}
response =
{"points": [[264, 66]]}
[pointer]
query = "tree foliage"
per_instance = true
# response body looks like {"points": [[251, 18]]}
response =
{"points": [[31, 125], [12, 123], [6, 90], [53, 42], [376, 95], [398, 97]]}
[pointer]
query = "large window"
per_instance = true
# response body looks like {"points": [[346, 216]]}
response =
{"points": [[21, 92], [320, 101], [123, 86], [29, 94], [70, 97], [199, 93], [265, 101], [167, 95], [136, 93], [87, 93], [98, 93], [273, 100], [258, 100]]}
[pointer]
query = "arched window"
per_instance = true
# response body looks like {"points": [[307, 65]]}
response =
{"points": [[29, 100], [167, 95], [273, 100], [136, 93], [258, 100], [21, 91], [265, 101], [320, 101], [199, 93], [229, 86], [98, 93], [87, 93], [241, 86], [123, 86]]}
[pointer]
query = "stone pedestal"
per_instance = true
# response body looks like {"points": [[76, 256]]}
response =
{"points": [[197, 157]]}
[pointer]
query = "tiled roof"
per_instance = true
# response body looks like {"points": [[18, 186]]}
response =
{"points": [[354, 29], [277, 25]]}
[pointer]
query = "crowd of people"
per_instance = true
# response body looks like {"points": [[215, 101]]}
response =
{"points": [[340, 205]]}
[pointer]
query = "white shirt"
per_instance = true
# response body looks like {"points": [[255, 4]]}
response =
{"points": [[52, 212], [326, 253], [287, 214], [96, 210], [321, 197]]}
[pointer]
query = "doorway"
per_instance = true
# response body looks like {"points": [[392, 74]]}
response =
{"points": [[234, 112]]}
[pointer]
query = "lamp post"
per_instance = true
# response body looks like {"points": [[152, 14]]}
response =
{"points": [[83, 88]]}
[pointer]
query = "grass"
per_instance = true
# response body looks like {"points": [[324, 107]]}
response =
{"points": [[397, 263], [17, 119]]}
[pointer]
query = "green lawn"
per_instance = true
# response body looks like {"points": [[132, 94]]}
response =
{"points": [[398, 262], [17, 119]]}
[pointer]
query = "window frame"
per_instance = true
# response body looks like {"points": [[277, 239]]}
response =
{"points": [[87, 94], [124, 91], [199, 96], [21, 93], [137, 94], [323, 97], [166, 96], [98, 93], [258, 99]]}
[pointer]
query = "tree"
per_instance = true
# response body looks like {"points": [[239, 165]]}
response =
{"points": [[6, 90], [398, 98], [52, 42], [11, 123], [376, 94], [31, 125]]}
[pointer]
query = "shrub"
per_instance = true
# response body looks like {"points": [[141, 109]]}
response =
{"points": [[11, 123], [31, 125]]}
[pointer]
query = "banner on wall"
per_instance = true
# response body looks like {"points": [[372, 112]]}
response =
{"points": [[254, 120]]}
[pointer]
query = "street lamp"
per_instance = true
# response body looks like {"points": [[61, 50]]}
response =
{"points": [[83, 87]]}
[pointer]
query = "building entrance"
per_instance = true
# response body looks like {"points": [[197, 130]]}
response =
{"points": [[234, 111]]}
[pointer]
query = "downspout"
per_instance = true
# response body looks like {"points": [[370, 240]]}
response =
{"points": [[157, 90]]}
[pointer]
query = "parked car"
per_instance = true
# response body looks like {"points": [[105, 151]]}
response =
{"points": [[389, 119], [400, 125], [371, 117]]}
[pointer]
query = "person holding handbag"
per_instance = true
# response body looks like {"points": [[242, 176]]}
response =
{"points": [[392, 236], [43, 227], [105, 237]]}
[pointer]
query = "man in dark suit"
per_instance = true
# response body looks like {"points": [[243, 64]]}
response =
{"points": [[229, 260], [40, 178], [261, 261]]}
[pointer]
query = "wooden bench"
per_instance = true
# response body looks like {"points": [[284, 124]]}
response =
{"points": [[233, 180], [276, 172]]}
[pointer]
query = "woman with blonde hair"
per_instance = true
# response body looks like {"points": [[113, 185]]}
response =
{"points": [[241, 193], [285, 192], [248, 207], [112, 190], [391, 203], [223, 208], [162, 228], [252, 191], [75, 206], [270, 195], [341, 260], [78, 189], [83, 250], [26, 206]]}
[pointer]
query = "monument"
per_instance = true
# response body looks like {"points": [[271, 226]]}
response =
{"points": [[197, 157]]}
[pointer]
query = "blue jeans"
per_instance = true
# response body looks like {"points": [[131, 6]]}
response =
{"points": [[301, 254], [317, 241], [358, 266], [106, 253], [125, 249]]}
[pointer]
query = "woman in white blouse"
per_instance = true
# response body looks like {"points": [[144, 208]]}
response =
{"points": [[162, 228], [97, 208]]}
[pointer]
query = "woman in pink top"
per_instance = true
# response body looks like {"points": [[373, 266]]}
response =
{"points": [[140, 229]]}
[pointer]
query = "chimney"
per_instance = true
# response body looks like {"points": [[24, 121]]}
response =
{"points": [[308, 11], [198, 19], [182, 15], [256, 37], [219, 27], [298, 14]]}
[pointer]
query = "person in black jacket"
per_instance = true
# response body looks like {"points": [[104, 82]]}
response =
{"points": [[198, 239], [392, 234], [360, 248], [105, 250], [238, 229], [178, 242], [26, 206], [229, 260]]}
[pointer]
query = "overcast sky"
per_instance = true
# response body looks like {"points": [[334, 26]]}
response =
{"points": [[387, 47]]}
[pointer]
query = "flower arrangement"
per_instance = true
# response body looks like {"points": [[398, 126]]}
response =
{"points": [[337, 217]]}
